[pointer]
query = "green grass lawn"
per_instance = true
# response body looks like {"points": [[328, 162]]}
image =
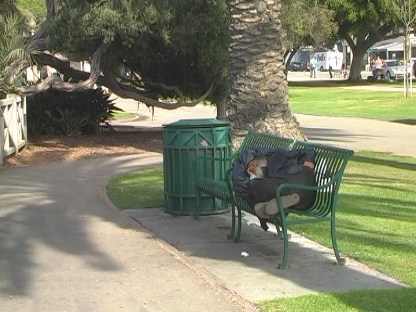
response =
{"points": [[395, 300], [376, 214], [331, 101], [119, 115], [139, 189], [376, 222]]}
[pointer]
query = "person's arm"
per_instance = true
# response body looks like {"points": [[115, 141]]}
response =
{"points": [[309, 164], [251, 168], [306, 157]]}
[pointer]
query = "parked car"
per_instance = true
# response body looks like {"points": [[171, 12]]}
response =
{"points": [[298, 66], [391, 69], [294, 66]]}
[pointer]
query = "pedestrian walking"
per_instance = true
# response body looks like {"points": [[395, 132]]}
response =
{"points": [[313, 64]]}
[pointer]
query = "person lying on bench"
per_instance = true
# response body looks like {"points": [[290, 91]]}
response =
{"points": [[265, 170]]}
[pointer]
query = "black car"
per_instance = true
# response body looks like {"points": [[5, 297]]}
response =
{"points": [[298, 66]]}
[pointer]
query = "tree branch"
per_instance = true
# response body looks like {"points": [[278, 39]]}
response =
{"points": [[62, 65], [58, 84], [123, 92]]}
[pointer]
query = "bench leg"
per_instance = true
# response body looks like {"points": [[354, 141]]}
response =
{"points": [[279, 230], [340, 260], [232, 234], [198, 201], [237, 234], [283, 225]]}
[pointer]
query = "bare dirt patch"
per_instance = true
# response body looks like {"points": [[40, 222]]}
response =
{"points": [[48, 149]]}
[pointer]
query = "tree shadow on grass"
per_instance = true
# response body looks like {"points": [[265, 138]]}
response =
{"points": [[405, 163], [409, 121], [380, 300]]}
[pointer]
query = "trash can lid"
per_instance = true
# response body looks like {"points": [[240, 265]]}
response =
{"points": [[198, 123]]}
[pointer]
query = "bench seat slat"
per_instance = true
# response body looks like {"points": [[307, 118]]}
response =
{"points": [[214, 187]]}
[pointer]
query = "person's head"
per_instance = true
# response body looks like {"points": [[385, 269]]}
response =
{"points": [[256, 165]]}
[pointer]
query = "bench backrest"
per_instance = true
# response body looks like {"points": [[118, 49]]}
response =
{"points": [[330, 163], [256, 139]]}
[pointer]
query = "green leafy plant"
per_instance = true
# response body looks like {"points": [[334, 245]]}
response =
{"points": [[69, 122], [14, 50], [53, 112]]}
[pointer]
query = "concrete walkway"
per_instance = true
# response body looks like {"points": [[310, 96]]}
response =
{"points": [[65, 247], [360, 134], [356, 133]]}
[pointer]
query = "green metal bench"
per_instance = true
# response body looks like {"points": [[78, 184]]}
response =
{"points": [[329, 169]]}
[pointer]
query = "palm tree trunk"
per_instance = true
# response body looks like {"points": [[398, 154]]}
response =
{"points": [[258, 96]]}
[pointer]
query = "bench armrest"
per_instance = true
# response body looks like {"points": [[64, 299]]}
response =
{"points": [[326, 193], [229, 179], [304, 187]]}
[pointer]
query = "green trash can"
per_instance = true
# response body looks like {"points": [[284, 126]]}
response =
{"points": [[182, 141]]}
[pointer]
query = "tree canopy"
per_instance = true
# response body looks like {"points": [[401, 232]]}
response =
{"points": [[37, 9], [307, 23], [359, 23], [154, 49], [142, 50], [363, 23]]}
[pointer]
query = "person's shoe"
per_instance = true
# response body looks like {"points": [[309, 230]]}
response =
{"points": [[263, 223], [259, 209], [271, 207]]}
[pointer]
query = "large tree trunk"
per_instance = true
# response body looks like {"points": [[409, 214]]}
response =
{"points": [[359, 49], [359, 46], [258, 97], [356, 65]]}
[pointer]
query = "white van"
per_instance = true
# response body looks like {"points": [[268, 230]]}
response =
{"points": [[328, 58]]}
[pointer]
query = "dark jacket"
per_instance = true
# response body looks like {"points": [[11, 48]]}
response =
{"points": [[281, 164]]}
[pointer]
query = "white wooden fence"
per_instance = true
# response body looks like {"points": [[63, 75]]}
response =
{"points": [[13, 126]]}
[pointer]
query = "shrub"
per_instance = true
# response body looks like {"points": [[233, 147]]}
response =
{"points": [[68, 113]]}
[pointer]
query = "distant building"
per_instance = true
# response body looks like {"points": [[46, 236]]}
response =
{"points": [[391, 48]]}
